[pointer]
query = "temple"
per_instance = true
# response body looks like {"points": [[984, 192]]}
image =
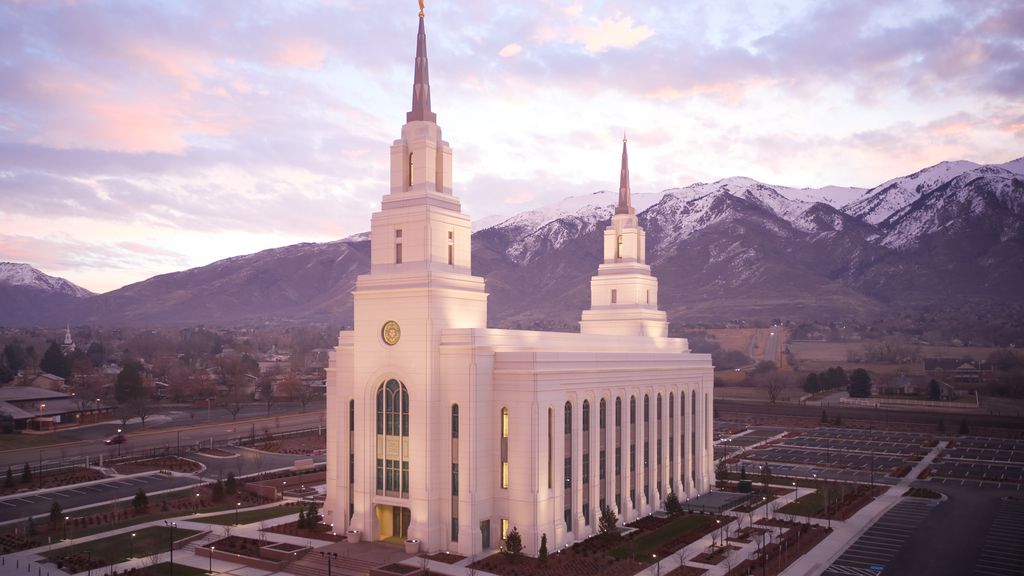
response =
{"points": [[447, 432]]}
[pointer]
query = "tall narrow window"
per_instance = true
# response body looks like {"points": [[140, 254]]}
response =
{"points": [[451, 248], [618, 247], [393, 439], [615, 295], [455, 474], [398, 246], [351, 458], [585, 458], [505, 447], [567, 471], [551, 433], [410, 169]]}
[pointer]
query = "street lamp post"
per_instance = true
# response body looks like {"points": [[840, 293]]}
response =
{"points": [[237, 505], [131, 546], [656, 563], [88, 560], [212, 548], [170, 544], [197, 503], [718, 523], [118, 442], [66, 527]]}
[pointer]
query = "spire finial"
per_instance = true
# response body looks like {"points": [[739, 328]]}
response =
{"points": [[625, 205], [421, 82]]}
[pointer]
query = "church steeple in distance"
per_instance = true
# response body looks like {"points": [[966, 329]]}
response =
{"points": [[421, 83], [625, 205]]}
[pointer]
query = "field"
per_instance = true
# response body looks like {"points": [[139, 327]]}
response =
{"points": [[817, 356], [751, 341]]}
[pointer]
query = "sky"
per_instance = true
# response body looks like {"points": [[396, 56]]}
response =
{"points": [[140, 138]]}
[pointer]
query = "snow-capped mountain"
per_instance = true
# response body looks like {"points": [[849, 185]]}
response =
{"points": [[946, 240], [883, 200], [17, 274]]}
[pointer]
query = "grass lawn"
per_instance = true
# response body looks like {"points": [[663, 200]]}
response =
{"points": [[19, 441], [250, 516], [164, 569], [645, 545], [117, 548], [808, 505]]}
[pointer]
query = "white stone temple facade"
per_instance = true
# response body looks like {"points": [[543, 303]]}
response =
{"points": [[449, 432]]}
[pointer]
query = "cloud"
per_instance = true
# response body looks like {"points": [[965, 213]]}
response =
{"points": [[510, 50], [618, 32]]}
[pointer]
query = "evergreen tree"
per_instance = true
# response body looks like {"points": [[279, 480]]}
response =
{"points": [[672, 505], [218, 491], [964, 429], [860, 383], [140, 502], [542, 554], [606, 524], [231, 486], [934, 390], [301, 522], [26, 474], [812, 384], [824, 417], [30, 527], [9, 482], [514, 544], [54, 361], [55, 513]]}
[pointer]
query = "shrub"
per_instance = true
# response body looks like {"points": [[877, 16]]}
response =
{"points": [[141, 502], [672, 505], [513, 544], [542, 553]]}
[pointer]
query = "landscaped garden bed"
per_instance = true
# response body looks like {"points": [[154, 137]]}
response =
{"points": [[446, 558], [217, 453], [777, 555], [308, 525], [15, 480], [607, 555], [304, 444], [170, 463], [686, 571]]}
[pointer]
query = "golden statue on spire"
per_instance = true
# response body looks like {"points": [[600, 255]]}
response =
{"points": [[421, 8]]}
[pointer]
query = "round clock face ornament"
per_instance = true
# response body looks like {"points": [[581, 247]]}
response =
{"points": [[391, 332]]}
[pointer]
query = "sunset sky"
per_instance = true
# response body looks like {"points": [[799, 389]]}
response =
{"points": [[139, 138]]}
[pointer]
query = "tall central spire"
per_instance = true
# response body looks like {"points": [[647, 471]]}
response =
{"points": [[421, 83], [625, 202]]}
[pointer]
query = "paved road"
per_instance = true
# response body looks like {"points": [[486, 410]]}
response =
{"points": [[872, 553], [771, 347], [157, 438]]}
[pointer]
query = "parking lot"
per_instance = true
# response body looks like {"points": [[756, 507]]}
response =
{"points": [[35, 503], [993, 462], [873, 551], [1003, 552]]}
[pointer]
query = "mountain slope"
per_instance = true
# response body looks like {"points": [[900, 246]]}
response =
{"points": [[735, 249], [25, 291]]}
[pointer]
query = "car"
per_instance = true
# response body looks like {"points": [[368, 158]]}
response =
{"points": [[116, 439]]}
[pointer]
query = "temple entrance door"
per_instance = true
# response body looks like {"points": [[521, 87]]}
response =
{"points": [[393, 522]]}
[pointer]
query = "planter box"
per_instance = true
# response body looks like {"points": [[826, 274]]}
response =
{"points": [[353, 536], [412, 546]]}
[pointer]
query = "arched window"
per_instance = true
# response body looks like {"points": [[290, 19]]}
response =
{"points": [[601, 414], [393, 439], [455, 420], [586, 415], [410, 169], [567, 470]]}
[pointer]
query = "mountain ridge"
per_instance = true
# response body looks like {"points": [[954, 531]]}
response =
{"points": [[727, 250]]}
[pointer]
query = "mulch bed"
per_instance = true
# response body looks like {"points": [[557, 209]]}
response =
{"points": [[809, 537], [238, 545], [301, 445], [446, 558], [320, 532], [171, 463], [686, 571], [715, 557], [565, 563], [51, 479]]}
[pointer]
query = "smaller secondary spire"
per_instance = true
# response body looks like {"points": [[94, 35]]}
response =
{"points": [[421, 82], [625, 202]]}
